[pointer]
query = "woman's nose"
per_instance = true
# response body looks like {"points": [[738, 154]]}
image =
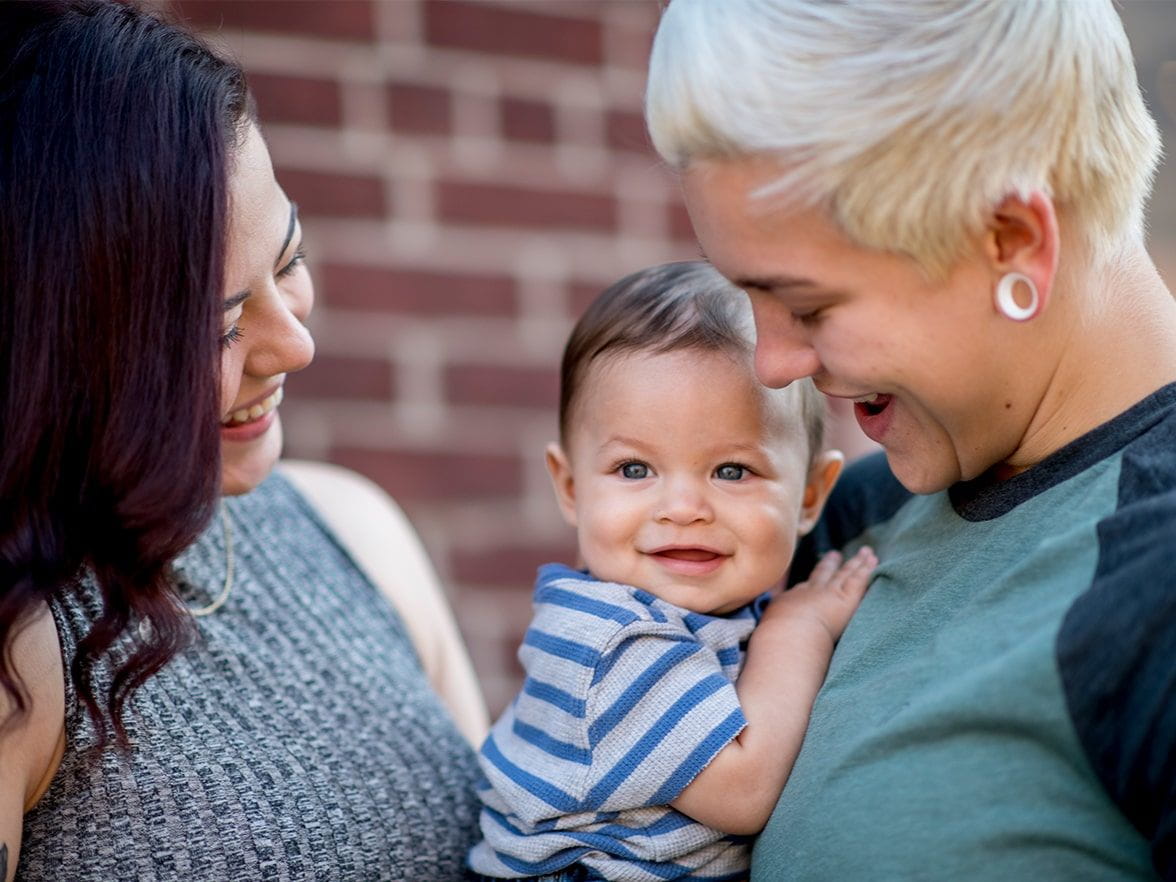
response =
{"points": [[783, 349], [282, 343], [780, 361]]}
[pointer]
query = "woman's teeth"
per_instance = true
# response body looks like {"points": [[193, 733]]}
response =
{"points": [[873, 404], [249, 414]]}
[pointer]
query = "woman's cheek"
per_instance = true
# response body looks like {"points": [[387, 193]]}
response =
{"points": [[230, 382]]}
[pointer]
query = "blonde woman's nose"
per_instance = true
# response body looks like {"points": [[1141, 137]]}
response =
{"points": [[783, 348], [781, 358]]}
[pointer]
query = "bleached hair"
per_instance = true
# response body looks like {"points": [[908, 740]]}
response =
{"points": [[908, 120]]}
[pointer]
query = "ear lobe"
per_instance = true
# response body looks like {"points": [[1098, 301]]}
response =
{"points": [[822, 476], [1022, 240], [562, 481]]}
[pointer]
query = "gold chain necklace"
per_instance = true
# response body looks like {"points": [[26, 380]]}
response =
{"points": [[224, 594]]}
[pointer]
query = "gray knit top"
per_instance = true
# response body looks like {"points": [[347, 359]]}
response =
{"points": [[296, 738]]}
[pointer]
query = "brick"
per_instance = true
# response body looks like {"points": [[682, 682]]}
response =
{"points": [[625, 130], [582, 295], [527, 120], [298, 100], [337, 19], [630, 35], [421, 110], [509, 653], [507, 206], [514, 566], [334, 195], [502, 386], [339, 377], [483, 27], [429, 475], [678, 221], [415, 291]]}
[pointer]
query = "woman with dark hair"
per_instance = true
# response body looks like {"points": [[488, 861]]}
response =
{"points": [[192, 687]]}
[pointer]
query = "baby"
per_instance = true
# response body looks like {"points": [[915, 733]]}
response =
{"points": [[665, 699]]}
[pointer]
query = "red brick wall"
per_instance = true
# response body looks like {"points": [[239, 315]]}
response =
{"points": [[469, 174]]}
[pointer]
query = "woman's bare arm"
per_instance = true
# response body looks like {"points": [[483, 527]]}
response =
{"points": [[31, 748]]}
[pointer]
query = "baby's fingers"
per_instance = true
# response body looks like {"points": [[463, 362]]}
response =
{"points": [[853, 576], [825, 569]]}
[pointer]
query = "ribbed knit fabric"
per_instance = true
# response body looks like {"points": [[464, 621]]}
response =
{"points": [[296, 738]]}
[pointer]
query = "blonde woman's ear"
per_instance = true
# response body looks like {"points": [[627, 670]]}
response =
{"points": [[563, 482], [823, 474], [1021, 242]]}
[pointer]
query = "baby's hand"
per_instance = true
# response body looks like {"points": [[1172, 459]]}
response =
{"points": [[830, 595]]}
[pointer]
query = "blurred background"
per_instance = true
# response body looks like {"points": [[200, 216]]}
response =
{"points": [[470, 174]]}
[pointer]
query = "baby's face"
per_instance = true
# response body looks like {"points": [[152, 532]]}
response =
{"points": [[684, 477]]}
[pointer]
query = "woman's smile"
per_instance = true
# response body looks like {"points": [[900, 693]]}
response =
{"points": [[247, 423], [874, 415]]}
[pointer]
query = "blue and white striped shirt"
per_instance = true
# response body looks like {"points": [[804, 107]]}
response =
{"points": [[626, 699]]}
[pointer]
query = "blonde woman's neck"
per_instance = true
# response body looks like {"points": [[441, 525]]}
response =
{"points": [[1112, 338]]}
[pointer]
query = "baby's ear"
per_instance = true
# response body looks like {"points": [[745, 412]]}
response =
{"points": [[562, 481], [821, 478]]}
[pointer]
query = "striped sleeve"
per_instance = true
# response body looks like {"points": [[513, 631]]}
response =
{"points": [[619, 709], [661, 710]]}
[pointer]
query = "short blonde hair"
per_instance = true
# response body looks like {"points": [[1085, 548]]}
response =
{"points": [[907, 120]]}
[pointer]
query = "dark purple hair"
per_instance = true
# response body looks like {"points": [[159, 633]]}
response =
{"points": [[117, 132]]}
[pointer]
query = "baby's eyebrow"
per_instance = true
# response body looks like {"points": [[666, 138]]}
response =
{"points": [[622, 439]]}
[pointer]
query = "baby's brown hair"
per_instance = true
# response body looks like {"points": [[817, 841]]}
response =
{"points": [[667, 308]]}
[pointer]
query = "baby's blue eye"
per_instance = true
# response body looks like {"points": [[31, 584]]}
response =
{"points": [[730, 471], [635, 471]]}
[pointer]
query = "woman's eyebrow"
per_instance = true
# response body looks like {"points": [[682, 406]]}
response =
{"points": [[289, 232], [240, 297], [768, 283], [772, 283]]}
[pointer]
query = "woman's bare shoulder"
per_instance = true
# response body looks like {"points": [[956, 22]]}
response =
{"points": [[35, 741], [31, 746]]}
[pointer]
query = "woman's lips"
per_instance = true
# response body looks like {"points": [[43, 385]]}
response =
{"points": [[874, 414], [689, 561], [247, 423]]}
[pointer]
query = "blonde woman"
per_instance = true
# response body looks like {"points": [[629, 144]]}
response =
{"points": [[936, 210]]}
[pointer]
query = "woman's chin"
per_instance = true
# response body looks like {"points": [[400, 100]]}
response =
{"points": [[245, 464]]}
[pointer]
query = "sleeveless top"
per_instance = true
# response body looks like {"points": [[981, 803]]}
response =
{"points": [[295, 738]]}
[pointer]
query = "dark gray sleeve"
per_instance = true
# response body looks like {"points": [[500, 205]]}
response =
{"points": [[1116, 653]]}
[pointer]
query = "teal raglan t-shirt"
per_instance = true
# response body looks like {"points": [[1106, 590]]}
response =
{"points": [[1003, 704]]}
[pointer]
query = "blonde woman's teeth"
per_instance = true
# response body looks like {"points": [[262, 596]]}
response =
{"points": [[256, 412], [867, 399]]}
